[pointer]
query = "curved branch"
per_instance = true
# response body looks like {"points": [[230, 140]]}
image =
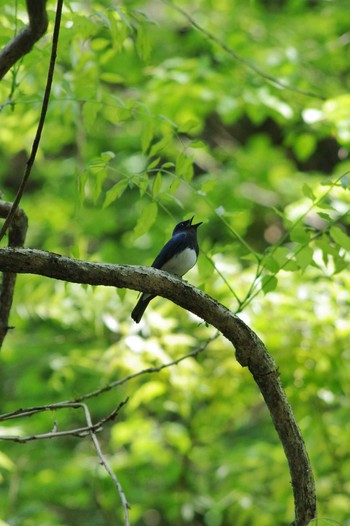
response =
{"points": [[22, 43], [250, 351]]}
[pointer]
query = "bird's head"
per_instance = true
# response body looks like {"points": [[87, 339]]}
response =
{"points": [[185, 226]]}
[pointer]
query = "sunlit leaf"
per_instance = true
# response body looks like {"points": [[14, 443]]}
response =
{"points": [[340, 237], [184, 166], [153, 164], [304, 257], [308, 192], [270, 263], [146, 219], [159, 146], [115, 192], [157, 185], [143, 42], [304, 145], [269, 283], [299, 235], [147, 134]]}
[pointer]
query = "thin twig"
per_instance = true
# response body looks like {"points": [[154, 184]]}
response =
{"points": [[148, 370], [90, 429], [29, 411], [107, 467], [79, 432], [44, 107]]}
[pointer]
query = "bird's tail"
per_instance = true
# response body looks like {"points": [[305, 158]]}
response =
{"points": [[140, 307]]}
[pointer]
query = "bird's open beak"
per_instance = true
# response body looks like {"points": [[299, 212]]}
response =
{"points": [[196, 225]]}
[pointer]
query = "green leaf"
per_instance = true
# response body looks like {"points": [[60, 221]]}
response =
{"points": [[281, 254], [90, 112], [308, 192], [180, 162], [147, 135], [122, 16], [208, 186], [153, 164], [328, 249], [121, 293], [143, 43], [269, 283], [299, 235], [304, 145], [340, 237], [157, 185], [97, 175], [146, 219], [270, 263], [142, 183], [6, 463], [197, 144], [184, 166], [324, 206], [324, 216], [291, 266], [189, 125], [82, 178], [168, 165], [160, 145], [340, 264], [175, 183], [304, 257], [107, 156], [147, 392], [344, 181], [111, 78], [115, 192]]}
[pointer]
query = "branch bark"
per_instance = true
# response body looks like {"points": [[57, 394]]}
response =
{"points": [[17, 234], [22, 43], [250, 351]]}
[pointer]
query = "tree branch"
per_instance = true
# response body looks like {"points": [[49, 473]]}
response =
{"points": [[22, 43], [34, 14], [148, 370], [79, 432], [89, 429], [17, 234], [250, 351]]}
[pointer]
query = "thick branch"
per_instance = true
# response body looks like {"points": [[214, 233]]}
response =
{"points": [[250, 351], [17, 234], [22, 43]]}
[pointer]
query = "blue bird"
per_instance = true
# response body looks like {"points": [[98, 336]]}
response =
{"points": [[177, 257]]}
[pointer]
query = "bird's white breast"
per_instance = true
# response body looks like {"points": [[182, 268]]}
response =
{"points": [[181, 263]]}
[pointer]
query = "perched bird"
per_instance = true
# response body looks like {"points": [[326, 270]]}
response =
{"points": [[177, 257]]}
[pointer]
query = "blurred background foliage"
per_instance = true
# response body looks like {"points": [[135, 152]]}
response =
{"points": [[238, 113]]}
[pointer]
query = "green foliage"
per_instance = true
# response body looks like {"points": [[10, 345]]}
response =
{"points": [[243, 121]]}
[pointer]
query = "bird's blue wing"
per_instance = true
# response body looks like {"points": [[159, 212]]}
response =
{"points": [[175, 245]]}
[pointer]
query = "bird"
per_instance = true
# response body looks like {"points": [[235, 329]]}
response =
{"points": [[177, 257]]}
